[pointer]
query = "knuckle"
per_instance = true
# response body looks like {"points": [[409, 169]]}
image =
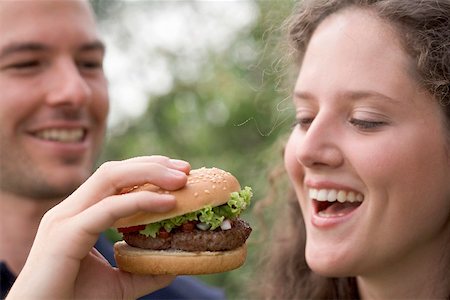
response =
{"points": [[160, 159], [106, 169], [51, 218], [106, 166]]}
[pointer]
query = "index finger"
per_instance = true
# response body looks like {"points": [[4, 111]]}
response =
{"points": [[112, 177]]}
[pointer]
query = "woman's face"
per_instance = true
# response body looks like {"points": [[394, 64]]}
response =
{"points": [[368, 158]]}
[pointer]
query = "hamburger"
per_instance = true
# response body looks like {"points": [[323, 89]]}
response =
{"points": [[202, 235]]}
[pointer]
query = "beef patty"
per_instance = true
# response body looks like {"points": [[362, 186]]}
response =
{"points": [[195, 240]]}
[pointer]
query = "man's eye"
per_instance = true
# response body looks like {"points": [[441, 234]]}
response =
{"points": [[24, 67], [25, 64], [91, 65], [365, 124]]}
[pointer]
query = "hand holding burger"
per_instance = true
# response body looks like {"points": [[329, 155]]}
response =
{"points": [[63, 254], [203, 234]]}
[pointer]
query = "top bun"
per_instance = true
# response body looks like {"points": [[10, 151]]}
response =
{"points": [[205, 186]]}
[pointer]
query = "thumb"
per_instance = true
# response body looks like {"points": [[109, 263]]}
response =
{"points": [[135, 286]]}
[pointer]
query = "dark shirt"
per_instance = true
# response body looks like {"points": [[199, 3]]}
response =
{"points": [[183, 287], [6, 280]]}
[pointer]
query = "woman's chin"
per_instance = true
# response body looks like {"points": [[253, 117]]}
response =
{"points": [[329, 263]]}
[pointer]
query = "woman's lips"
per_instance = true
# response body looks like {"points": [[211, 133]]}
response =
{"points": [[333, 206]]}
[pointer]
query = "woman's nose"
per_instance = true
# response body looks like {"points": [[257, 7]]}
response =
{"points": [[320, 145]]}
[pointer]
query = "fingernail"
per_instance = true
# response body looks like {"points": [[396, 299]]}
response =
{"points": [[167, 197], [165, 203], [179, 163], [176, 173]]}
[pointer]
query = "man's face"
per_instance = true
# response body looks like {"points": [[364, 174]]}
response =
{"points": [[53, 100]]}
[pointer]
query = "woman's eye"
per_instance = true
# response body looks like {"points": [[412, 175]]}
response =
{"points": [[303, 123], [365, 124]]}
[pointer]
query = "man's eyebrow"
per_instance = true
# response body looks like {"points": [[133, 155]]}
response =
{"points": [[22, 47], [38, 47], [95, 45]]}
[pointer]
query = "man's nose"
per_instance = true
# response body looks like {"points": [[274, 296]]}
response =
{"points": [[68, 86], [321, 144]]}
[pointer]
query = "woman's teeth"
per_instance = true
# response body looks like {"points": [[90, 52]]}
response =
{"points": [[332, 195], [61, 135]]}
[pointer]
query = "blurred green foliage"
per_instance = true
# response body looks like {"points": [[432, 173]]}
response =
{"points": [[232, 118]]}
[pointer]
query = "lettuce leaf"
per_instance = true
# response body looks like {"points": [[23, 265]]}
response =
{"points": [[151, 229], [213, 216]]}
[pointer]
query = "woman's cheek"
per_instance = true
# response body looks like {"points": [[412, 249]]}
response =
{"points": [[291, 163], [293, 166]]}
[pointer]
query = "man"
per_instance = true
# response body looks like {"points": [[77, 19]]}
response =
{"points": [[53, 112]]}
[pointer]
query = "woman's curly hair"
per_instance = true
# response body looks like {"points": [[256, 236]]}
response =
{"points": [[423, 27]]}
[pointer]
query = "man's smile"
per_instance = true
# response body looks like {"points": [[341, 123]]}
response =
{"points": [[63, 135]]}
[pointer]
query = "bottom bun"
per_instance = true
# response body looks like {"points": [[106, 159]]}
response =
{"points": [[173, 262]]}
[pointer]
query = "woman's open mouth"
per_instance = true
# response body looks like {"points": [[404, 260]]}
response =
{"points": [[334, 204]]}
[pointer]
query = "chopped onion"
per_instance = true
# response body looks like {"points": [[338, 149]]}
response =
{"points": [[203, 226], [226, 225]]}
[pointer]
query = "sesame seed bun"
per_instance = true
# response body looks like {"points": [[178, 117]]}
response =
{"points": [[163, 262], [205, 186]]}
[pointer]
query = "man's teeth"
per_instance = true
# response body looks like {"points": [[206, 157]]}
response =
{"points": [[61, 135], [335, 195]]}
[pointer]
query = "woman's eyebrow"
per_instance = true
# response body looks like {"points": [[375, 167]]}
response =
{"points": [[350, 95], [303, 95], [363, 94]]}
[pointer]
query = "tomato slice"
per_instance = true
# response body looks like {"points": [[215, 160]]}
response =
{"points": [[188, 226], [163, 233], [131, 229]]}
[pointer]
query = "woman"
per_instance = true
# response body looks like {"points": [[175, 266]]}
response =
{"points": [[369, 155]]}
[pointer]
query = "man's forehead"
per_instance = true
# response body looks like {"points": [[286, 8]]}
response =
{"points": [[47, 22], [85, 3], [13, 8]]}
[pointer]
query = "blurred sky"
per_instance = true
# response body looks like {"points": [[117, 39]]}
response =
{"points": [[142, 35]]}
